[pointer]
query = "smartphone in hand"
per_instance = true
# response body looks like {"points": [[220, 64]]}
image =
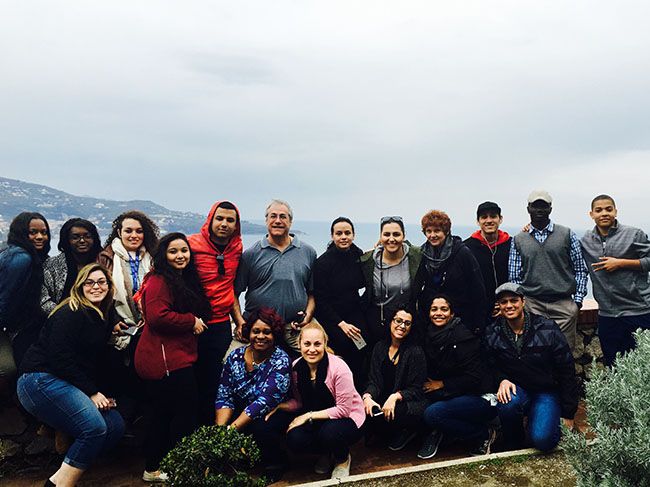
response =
{"points": [[376, 411]]}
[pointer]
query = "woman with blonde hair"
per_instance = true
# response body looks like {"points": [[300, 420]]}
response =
{"points": [[58, 381], [331, 409]]}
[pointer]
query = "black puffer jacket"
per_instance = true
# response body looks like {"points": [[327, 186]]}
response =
{"points": [[457, 363], [545, 363]]}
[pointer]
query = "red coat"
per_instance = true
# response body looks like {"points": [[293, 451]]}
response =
{"points": [[167, 342], [219, 289]]}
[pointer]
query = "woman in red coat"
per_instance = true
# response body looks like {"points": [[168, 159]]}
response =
{"points": [[174, 307]]}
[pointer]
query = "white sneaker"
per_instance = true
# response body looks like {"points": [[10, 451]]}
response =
{"points": [[156, 477], [323, 464], [342, 470]]}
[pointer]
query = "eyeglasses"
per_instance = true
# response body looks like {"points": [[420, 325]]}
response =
{"points": [[76, 237], [221, 264], [390, 219], [400, 322], [89, 283]]}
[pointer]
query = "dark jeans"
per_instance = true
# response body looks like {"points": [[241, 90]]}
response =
{"points": [[403, 420], [616, 334], [334, 436], [543, 411], [120, 380], [213, 345], [270, 437], [64, 407], [173, 405], [463, 417], [344, 347]]}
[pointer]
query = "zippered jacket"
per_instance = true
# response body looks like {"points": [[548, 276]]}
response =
{"points": [[544, 364], [167, 342], [492, 259], [218, 288], [623, 292]]}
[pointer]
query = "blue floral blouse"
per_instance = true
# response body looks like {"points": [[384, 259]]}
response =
{"points": [[256, 392]]}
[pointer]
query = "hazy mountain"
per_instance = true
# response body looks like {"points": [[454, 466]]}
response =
{"points": [[58, 206]]}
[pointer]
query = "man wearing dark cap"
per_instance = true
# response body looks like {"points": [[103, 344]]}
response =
{"points": [[547, 261], [491, 247], [534, 372]]}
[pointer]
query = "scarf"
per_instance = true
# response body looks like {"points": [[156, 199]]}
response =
{"points": [[438, 336], [315, 395], [435, 257]]}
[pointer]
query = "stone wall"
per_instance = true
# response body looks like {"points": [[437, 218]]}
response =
{"points": [[587, 341]]}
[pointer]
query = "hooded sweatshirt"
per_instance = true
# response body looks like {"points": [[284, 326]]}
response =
{"points": [[492, 259], [218, 288]]}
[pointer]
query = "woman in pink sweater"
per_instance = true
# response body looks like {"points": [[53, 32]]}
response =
{"points": [[331, 409]]}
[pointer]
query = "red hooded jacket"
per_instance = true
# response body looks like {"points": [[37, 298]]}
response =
{"points": [[218, 288]]}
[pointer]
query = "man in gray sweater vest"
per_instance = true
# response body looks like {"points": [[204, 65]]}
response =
{"points": [[618, 259], [547, 262]]}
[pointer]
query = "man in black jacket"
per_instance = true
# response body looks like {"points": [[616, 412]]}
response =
{"points": [[534, 369]]}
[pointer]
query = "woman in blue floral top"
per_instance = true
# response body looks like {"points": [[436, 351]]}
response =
{"points": [[255, 379]]}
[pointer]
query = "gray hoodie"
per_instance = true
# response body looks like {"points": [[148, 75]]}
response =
{"points": [[392, 283], [624, 292]]}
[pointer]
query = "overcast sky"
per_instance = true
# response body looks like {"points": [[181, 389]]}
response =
{"points": [[361, 108]]}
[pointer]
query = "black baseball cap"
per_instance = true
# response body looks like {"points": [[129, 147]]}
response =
{"points": [[488, 207]]}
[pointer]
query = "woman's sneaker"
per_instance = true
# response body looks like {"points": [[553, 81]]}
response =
{"points": [[157, 476], [342, 470], [401, 440], [323, 464], [430, 445], [484, 447]]}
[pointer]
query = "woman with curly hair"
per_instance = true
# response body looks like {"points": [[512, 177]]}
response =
{"points": [[449, 267], [127, 257], [254, 381], [174, 307], [21, 277], [79, 245]]}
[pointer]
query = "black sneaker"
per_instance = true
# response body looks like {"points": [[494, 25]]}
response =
{"points": [[483, 448], [430, 445], [401, 440]]}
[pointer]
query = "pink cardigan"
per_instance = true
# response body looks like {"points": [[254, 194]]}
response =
{"points": [[340, 383]]}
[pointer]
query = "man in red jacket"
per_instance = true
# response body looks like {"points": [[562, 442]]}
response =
{"points": [[217, 250]]}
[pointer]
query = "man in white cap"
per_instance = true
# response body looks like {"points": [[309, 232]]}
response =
{"points": [[547, 261]]}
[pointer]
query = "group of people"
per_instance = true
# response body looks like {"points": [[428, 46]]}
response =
{"points": [[451, 339]]}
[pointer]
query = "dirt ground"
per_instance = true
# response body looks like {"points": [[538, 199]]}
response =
{"points": [[540, 470]]}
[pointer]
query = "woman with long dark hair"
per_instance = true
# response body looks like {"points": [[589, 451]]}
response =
{"points": [[21, 278], [79, 245], [389, 273], [174, 307], [59, 379], [337, 280]]}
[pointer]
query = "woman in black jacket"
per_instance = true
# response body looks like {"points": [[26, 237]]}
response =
{"points": [[455, 383], [449, 267], [394, 399], [337, 280]]}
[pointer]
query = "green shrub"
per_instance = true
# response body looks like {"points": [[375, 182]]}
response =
{"points": [[213, 456], [618, 411]]}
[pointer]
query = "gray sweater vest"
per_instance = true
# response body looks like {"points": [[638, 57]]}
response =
{"points": [[547, 268]]}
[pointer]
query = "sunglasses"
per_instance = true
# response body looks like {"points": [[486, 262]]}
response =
{"points": [[390, 219]]}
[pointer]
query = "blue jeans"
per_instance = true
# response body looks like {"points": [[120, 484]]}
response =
{"points": [[617, 334], [543, 411], [464, 417], [64, 407]]}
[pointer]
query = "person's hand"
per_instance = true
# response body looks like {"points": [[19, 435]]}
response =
{"points": [[608, 264], [351, 331], [270, 413], [238, 333], [101, 401], [298, 421], [199, 327], [506, 390], [431, 385], [369, 403], [389, 407], [300, 321], [526, 228], [568, 423], [119, 328]]}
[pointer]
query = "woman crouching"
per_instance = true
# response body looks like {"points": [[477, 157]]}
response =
{"points": [[58, 384], [323, 388]]}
